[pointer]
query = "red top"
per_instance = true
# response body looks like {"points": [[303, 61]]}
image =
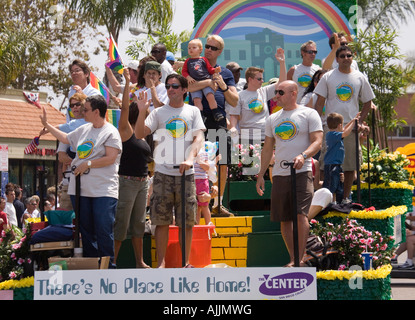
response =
{"points": [[3, 215]]}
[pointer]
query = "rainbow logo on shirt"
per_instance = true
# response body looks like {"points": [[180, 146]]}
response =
{"points": [[256, 106], [177, 127], [344, 92], [286, 130], [304, 80], [85, 149]]}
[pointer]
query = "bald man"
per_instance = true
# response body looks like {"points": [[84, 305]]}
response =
{"points": [[296, 132]]}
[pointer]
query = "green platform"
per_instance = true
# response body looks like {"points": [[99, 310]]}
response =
{"points": [[266, 249], [126, 257]]}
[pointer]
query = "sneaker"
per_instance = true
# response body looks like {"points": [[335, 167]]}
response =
{"points": [[217, 115], [346, 201], [223, 212], [406, 266]]}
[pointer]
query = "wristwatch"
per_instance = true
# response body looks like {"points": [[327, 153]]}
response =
{"points": [[304, 155], [89, 163]]}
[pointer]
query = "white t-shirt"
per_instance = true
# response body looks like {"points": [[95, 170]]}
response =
{"points": [[90, 143], [253, 110], [291, 131], [166, 69], [343, 91], [174, 129], [302, 76], [11, 213]]}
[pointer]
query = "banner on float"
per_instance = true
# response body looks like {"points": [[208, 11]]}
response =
{"points": [[177, 284]]}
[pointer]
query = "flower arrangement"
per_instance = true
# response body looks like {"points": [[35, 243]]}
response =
{"points": [[384, 168], [350, 240], [245, 162], [14, 253]]}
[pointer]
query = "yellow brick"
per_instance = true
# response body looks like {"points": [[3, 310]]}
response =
{"points": [[244, 230], [217, 253], [249, 221], [230, 222], [235, 253], [220, 242], [239, 242], [230, 263], [241, 263], [227, 230]]}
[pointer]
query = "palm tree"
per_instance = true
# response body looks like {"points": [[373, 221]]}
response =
{"points": [[115, 14], [387, 12], [19, 47]]}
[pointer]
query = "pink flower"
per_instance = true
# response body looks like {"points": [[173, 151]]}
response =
{"points": [[12, 275]]}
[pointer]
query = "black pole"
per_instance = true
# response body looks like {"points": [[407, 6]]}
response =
{"points": [[183, 219], [294, 213], [374, 126], [368, 171], [357, 160], [77, 208], [41, 194]]}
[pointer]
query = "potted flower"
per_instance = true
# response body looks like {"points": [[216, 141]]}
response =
{"points": [[347, 241]]}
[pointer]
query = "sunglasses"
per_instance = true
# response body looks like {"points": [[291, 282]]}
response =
{"points": [[76, 104], [213, 48], [280, 92], [174, 86], [311, 51], [342, 56]]}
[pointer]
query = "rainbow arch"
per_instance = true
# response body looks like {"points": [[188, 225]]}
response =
{"points": [[322, 12]]}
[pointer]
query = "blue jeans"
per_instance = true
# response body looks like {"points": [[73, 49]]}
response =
{"points": [[332, 178], [96, 223]]}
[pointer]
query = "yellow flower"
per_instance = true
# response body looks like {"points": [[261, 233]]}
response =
{"points": [[363, 214], [379, 273], [392, 185], [13, 284]]}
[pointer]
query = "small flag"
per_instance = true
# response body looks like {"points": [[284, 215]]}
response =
{"points": [[113, 50], [113, 116], [32, 146], [32, 98], [116, 65], [99, 85]]}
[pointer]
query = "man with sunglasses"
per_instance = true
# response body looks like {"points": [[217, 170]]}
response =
{"points": [[159, 51], [178, 130], [340, 90], [296, 133], [224, 84], [335, 42], [302, 73]]}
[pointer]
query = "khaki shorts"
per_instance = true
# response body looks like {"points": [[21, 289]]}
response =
{"points": [[166, 196], [349, 163], [281, 203]]}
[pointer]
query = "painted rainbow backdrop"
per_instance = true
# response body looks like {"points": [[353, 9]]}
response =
{"points": [[323, 12]]}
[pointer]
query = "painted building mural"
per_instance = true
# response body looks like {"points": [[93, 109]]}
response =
{"points": [[254, 29]]}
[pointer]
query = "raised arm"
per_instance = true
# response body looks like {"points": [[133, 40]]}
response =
{"points": [[141, 130], [61, 136], [124, 126]]}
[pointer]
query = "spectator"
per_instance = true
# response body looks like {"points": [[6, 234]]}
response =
{"points": [[178, 127], [31, 209], [9, 209], [3, 215], [296, 133], [98, 149], [18, 204], [302, 73]]}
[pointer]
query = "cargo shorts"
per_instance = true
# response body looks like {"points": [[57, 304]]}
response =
{"points": [[166, 200]]}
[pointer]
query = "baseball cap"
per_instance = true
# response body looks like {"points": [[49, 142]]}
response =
{"points": [[133, 64], [153, 65], [170, 56], [233, 66]]}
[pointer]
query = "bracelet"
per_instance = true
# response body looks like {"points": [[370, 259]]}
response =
{"points": [[227, 88]]}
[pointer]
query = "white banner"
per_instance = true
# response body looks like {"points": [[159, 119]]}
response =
{"points": [[4, 157], [177, 284]]}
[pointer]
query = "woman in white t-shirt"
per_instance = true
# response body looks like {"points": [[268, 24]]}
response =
{"points": [[309, 98]]}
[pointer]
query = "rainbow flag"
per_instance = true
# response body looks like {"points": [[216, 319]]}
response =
{"points": [[113, 50], [113, 116], [99, 85], [116, 65]]}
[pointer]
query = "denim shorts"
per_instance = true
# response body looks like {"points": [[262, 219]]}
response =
{"points": [[332, 178]]}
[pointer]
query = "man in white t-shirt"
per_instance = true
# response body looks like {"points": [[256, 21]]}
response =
{"points": [[252, 108], [178, 130], [340, 90], [335, 42], [302, 73], [159, 52], [10, 209], [296, 133]]}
